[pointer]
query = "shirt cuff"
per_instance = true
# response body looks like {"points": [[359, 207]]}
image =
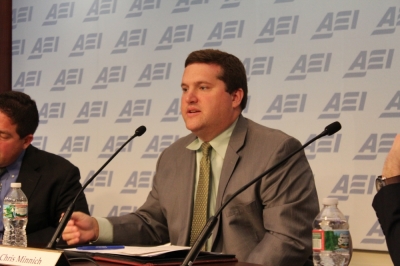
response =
{"points": [[105, 231]]}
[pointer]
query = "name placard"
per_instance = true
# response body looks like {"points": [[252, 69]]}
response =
{"points": [[31, 256]]}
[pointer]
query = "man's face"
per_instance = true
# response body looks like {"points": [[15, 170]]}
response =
{"points": [[11, 145], [207, 108]]}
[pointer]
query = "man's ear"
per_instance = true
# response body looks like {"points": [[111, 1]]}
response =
{"points": [[237, 97], [27, 140]]}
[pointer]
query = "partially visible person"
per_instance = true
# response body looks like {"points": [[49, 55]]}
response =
{"points": [[49, 181], [270, 223], [387, 200]]}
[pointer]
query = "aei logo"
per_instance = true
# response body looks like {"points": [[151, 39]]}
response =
{"points": [[353, 185], [91, 109], [173, 35], [392, 109], [173, 112], [138, 108], [230, 4], [139, 6], [277, 26], [389, 22], [158, 71], [157, 145], [40, 142], [51, 111], [225, 31], [21, 15], [44, 45], [114, 74], [27, 79], [346, 102], [136, 181], [290, 103], [375, 144], [74, 144], [113, 144], [261, 65], [102, 180], [343, 20], [376, 59], [90, 41], [313, 63], [329, 144], [130, 39], [374, 235], [18, 47], [59, 11], [100, 8], [184, 5], [66, 77]]}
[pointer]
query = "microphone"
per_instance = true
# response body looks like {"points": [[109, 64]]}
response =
{"points": [[212, 221], [67, 215]]}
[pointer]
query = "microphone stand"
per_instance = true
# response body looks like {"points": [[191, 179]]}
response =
{"points": [[67, 215], [212, 221]]}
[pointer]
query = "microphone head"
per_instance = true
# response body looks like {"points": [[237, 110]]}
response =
{"points": [[140, 131], [333, 128]]}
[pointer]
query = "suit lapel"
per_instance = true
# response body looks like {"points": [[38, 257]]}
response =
{"points": [[28, 176], [187, 158], [231, 158]]}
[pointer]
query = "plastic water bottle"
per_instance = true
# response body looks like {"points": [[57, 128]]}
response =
{"points": [[331, 236], [15, 217]]}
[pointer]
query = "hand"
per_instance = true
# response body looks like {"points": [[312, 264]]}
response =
{"points": [[81, 228], [392, 164]]}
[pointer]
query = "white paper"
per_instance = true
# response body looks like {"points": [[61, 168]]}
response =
{"points": [[135, 250]]}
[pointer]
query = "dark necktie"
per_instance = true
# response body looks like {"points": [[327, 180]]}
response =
{"points": [[2, 171]]}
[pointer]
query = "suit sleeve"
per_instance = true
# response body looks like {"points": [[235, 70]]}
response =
{"points": [[290, 204], [69, 190], [386, 204], [146, 226], [68, 187]]}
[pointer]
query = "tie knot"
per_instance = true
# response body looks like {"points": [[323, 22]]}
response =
{"points": [[205, 148]]}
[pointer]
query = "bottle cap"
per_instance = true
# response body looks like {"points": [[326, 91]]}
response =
{"points": [[17, 185], [330, 201]]}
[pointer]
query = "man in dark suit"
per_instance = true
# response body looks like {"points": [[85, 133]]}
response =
{"points": [[387, 200], [270, 223], [50, 182]]}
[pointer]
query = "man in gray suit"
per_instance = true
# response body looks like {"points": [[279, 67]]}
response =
{"points": [[270, 223]]}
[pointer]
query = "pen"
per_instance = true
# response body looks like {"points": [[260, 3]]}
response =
{"points": [[99, 247]]}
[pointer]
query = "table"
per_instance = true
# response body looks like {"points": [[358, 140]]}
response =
{"points": [[80, 263]]}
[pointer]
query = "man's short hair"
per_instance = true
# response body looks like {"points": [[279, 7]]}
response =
{"points": [[22, 111], [233, 73]]}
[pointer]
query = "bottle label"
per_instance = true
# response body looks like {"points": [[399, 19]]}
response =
{"points": [[15, 211], [332, 240]]}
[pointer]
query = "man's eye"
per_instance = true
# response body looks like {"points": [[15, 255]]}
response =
{"points": [[4, 136]]}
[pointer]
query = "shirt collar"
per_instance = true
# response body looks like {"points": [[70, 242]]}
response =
{"points": [[219, 143]]}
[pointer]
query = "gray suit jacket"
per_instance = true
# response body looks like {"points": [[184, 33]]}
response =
{"points": [[270, 223]]}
